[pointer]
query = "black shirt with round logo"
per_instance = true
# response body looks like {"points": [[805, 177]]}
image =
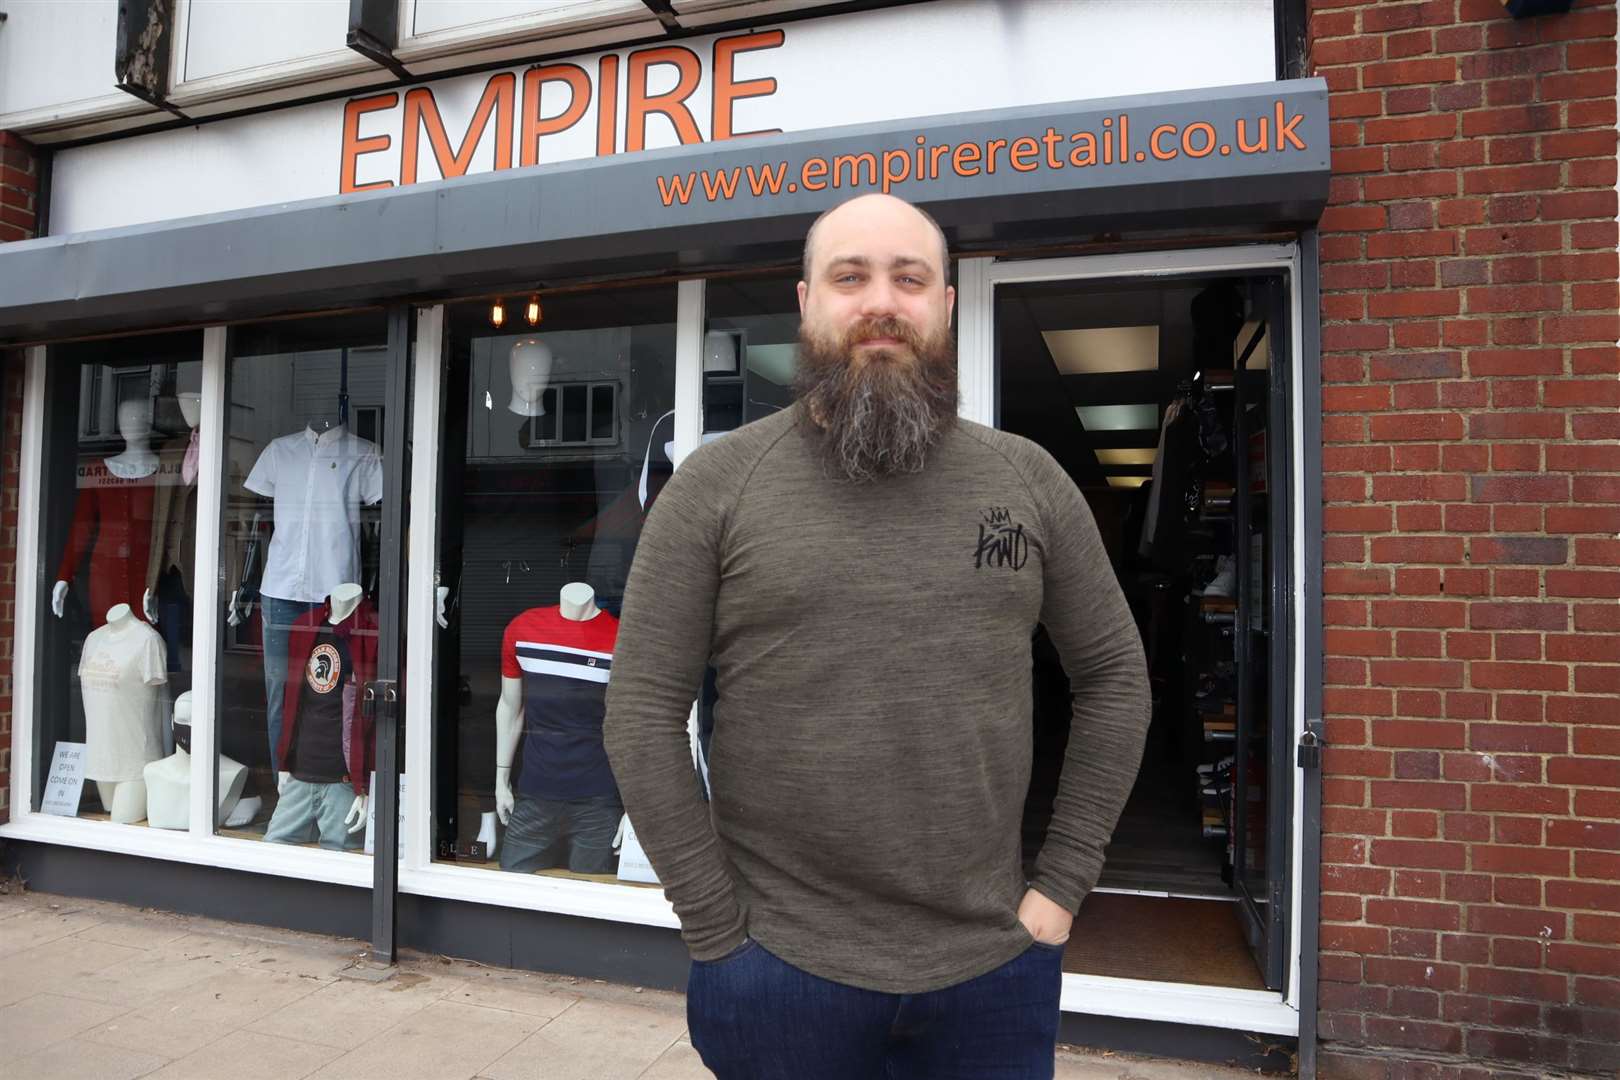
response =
{"points": [[317, 748]]}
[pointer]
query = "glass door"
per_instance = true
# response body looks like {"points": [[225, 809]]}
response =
{"points": [[1163, 397], [313, 518]]}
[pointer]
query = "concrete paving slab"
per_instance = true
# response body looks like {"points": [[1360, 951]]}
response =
{"points": [[140, 929], [55, 966], [444, 1041], [322, 960], [494, 995], [345, 1014], [199, 1016], [32, 927], [207, 942], [151, 976], [37, 1022], [594, 1040], [246, 1055], [679, 1062], [75, 1059]]}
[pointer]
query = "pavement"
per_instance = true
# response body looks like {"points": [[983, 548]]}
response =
{"points": [[99, 991]]}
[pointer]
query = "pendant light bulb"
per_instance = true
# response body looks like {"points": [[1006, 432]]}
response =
{"points": [[532, 312], [497, 313]]}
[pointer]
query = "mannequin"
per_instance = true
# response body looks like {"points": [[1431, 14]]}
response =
{"points": [[112, 520], [120, 670], [564, 807], [168, 782], [325, 737], [318, 480], [531, 362], [173, 556]]}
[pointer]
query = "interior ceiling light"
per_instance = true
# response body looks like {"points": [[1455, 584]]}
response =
{"points": [[497, 313], [1104, 350], [1119, 417], [532, 310], [1127, 481], [1117, 456]]}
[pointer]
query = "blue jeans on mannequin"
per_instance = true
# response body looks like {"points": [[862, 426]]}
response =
{"points": [[753, 1016], [278, 615]]}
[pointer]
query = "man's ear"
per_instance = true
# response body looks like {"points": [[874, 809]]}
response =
{"points": [[950, 303], [804, 290]]}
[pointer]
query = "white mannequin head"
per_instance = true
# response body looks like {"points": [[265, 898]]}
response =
{"points": [[182, 723], [190, 407], [719, 353], [135, 420], [531, 362]]}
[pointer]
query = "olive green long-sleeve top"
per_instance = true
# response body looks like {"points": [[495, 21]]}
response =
{"points": [[873, 735]]}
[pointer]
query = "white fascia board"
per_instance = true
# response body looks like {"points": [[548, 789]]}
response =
{"points": [[55, 123], [433, 52], [695, 13]]}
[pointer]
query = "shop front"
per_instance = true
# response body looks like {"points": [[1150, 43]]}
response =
{"points": [[340, 422]]}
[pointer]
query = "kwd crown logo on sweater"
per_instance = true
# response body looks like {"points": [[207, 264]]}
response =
{"points": [[1001, 540]]}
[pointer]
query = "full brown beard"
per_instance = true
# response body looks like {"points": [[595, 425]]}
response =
{"points": [[879, 413]]}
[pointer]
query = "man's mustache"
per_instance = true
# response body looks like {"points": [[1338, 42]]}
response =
{"points": [[882, 326]]}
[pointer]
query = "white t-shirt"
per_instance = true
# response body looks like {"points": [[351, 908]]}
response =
{"points": [[318, 483], [119, 674]]}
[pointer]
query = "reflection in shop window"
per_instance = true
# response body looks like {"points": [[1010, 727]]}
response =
{"points": [[300, 546], [119, 526], [557, 440]]}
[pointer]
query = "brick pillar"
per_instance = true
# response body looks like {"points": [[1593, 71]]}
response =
{"points": [[18, 188], [1471, 818]]}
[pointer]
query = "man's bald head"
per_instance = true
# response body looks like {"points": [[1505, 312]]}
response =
{"points": [[876, 209]]}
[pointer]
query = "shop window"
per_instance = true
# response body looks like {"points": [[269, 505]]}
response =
{"points": [[301, 531], [750, 349], [575, 413], [230, 37], [557, 437], [119, 509]]}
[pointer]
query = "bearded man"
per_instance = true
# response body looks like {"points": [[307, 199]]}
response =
{"points": [[865, 572]]}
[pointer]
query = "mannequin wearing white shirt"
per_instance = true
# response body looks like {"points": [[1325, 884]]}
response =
{"points": [[317, 482], [119, 671], [168, 782], [531, 363], [135, 462]]}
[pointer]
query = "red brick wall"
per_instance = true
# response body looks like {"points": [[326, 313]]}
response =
{"points": [[18, 186], [1471, 818]]}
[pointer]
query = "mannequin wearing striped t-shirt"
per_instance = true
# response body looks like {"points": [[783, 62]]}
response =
{"points": [[558, 800]]}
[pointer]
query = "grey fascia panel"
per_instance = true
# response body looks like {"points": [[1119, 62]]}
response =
{"points": [[604, 215]]}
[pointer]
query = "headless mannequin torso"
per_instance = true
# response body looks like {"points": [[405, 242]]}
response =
{"points": [[136, 461], [168, 782], [344, 599], [576, 602], [125, 800]]}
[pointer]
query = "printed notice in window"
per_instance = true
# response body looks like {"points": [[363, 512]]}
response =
{"points": [[65, 782]]}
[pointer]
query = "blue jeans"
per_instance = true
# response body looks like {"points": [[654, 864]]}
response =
{"points": [[278, 615], [577, 833], [308, 812], [753, 1016]]}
